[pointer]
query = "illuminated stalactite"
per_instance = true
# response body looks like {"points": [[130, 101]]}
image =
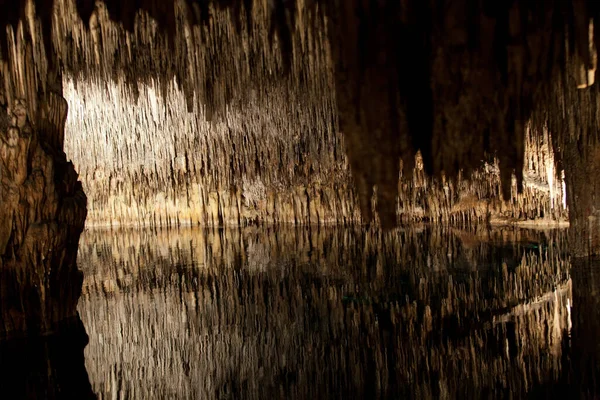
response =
{"points": [[463, 97], [149, 163]]}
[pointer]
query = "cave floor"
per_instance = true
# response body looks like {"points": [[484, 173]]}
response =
{"points": [[420, 312]]}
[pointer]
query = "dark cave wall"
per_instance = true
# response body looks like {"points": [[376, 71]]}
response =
{"points": [[42, 215], [43, 206]]}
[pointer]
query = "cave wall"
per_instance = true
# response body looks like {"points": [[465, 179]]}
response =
{"points": [[146, 161], [479, 80], [477, 76], [466, 95], [151, 162], [43, 213], [43, 205]]}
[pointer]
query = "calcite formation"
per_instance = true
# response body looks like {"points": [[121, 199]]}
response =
{"points": [[150, 163], [460, 82]]}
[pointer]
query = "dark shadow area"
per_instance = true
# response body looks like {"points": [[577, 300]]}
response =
{"points": [[585, 335], [49, 367]]}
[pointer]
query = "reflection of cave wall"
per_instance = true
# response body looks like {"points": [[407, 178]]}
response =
{"points": [[194, 313], [144, 160]]}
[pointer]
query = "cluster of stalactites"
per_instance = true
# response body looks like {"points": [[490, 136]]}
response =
{"points": [[152, 164], [221, 52], [457, 80]]}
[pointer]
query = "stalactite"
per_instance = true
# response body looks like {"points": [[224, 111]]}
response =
{"points": [[477, 77], [458, 83], [267, 163], [150, 160]]}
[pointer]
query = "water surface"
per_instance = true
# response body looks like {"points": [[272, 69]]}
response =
{"points": [[336, 313]]}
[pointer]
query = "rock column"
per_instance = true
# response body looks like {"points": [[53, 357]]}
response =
{"points": [[42, 204]]}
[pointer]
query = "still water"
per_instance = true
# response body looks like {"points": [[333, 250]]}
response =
{"points": [[328, 313]]}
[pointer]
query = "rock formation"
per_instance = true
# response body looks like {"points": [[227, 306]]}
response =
{"points": [[461, 82], [43, 204], [150, 163], [484, 71]]}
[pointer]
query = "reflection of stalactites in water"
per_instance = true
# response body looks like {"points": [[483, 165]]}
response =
{"points": [[298, 312]]}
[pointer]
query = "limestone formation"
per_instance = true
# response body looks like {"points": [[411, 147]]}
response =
{"points": [[150, 163], [459, 83]]}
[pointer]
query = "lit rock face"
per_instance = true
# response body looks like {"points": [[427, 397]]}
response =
{"points": [[150, 162], [146, 161]]}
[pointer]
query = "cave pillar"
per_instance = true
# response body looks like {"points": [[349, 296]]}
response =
{"points": [[42, 204], [581, 161]]}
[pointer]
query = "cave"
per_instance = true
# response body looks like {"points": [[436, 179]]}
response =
{"points": [[299, 199]]}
